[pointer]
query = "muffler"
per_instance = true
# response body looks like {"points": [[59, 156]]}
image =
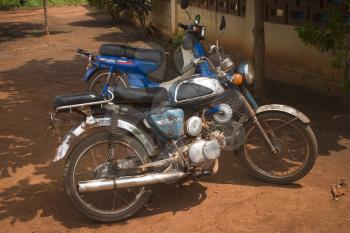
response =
{"points": [[129, 182]]}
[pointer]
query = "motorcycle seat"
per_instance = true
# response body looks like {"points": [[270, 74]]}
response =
{"points": [[66, 100], [143, 96], [119, 50]]}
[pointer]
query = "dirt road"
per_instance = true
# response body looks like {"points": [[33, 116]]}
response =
{"points": [[34, 68]]}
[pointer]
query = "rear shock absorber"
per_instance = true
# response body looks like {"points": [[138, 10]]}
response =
{"points": [[114, 109]]}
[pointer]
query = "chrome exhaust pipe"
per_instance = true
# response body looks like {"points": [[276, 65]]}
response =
{"points": [[128, 182]]}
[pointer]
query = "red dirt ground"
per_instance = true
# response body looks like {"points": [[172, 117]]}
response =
{"points": [[35, 68]]}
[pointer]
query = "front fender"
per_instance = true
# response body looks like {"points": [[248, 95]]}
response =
{"points": [[104, 122], [90, 72], [285, 109]]}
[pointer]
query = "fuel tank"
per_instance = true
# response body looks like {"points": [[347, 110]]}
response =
{"points": [[196, 90]]}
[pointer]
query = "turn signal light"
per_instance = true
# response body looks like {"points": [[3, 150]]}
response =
{"points": [[237, 79]]}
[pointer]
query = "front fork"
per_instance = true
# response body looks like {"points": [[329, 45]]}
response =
{"points": [[251, 112], [106, 84]]}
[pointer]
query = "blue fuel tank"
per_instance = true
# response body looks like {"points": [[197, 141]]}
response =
{"points": [[167, 122]]}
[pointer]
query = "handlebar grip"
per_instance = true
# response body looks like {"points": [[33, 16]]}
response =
{"points": [[183, 26], [80, 51]]}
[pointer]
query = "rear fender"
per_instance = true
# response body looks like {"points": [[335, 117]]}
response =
{"points": [[85, 126]]}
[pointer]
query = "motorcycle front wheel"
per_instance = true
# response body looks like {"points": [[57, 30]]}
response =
{"points": [[90, 160], [294, 141], [99, 80]]}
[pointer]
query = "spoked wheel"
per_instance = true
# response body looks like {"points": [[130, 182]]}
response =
{"points": [[100, 80], [294, 141], [90, 160]]}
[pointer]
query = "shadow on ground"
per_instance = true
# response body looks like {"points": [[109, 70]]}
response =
{"points": [[17, 30], [327, 121], [28, 144], [27, 141]]}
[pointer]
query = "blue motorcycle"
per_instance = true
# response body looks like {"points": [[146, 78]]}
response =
{"points": [[118, 64]]}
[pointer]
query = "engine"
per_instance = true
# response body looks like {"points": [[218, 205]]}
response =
{"points": [[206, 147], [201, 147], [206, 150]]}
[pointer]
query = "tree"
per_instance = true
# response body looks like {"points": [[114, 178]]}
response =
{"points": [[333, 37], [141, 8], [46, 18], [259, 48]]}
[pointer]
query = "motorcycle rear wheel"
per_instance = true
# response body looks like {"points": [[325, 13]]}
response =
{"points": [[103, 206], [295, 142]]}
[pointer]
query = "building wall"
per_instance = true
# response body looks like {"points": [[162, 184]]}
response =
{"points": [[160, 16], [287, 58]]}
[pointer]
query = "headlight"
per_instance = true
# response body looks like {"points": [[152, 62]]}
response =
{"points": [[247, 70], [249, 73]]}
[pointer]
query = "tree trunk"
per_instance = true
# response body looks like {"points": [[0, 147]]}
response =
{"points": [[46, 18], [346, 86], [259, 48], [346, 79], [142, 20]]}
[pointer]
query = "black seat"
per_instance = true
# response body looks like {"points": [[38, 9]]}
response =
{"points": [[132, 53], [142, 96], [65, 100]]}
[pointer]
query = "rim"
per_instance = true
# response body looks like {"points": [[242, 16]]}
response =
{"points": [[99, 82], [105, 202], [293, 152]]}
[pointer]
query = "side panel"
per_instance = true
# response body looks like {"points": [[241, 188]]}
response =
{"points": [[140, 81], [129, 65]]}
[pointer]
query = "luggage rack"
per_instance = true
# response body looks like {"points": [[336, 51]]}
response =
{"points": [[83, 105]]}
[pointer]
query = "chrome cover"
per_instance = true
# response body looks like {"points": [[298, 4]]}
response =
{"points": [[227, 64], [207, 82], [194, 126], [103, 122], [286, 109]]}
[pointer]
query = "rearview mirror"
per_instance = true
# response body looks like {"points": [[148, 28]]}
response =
{"points": [[197, 19], [223, 23], [185, 4]]}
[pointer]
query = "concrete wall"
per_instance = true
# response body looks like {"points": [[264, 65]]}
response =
{"points": [[161, 16], [287, 58], [236, 38]]}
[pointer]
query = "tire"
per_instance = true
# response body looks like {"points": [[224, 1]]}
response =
{"points": [[99, 78], [303, 129], [70, 185]]}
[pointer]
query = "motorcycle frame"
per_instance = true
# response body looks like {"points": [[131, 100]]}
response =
{"points": [[148, 143]]}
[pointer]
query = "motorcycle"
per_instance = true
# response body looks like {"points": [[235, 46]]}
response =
{"points": [[132, 138], [118, 64]]}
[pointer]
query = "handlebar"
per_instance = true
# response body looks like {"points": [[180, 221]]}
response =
{"points": [[183, 26], [83, 53]]}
